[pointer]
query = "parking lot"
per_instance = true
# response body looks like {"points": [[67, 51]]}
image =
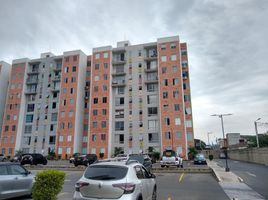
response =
{"points": [[170, 186]]}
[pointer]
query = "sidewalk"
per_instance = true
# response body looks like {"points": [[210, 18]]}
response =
{"points": [[233, 185]]}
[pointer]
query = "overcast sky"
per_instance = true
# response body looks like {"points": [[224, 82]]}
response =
{"points": [[227, 45]]}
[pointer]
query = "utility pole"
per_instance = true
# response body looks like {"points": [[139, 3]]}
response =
{"points": [[208, 137], [256, 130], [227, 169]]}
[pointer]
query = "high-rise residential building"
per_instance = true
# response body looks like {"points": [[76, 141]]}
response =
{"points": [[129, 99], [4, 78]]}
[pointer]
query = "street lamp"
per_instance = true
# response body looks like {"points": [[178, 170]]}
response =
{"points": [[256, 130], [227, 169]]}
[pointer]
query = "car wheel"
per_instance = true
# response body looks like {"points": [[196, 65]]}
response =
{"points": [[162, 166], [139, 198], [181, 166], [154, 194], [75, 165]]}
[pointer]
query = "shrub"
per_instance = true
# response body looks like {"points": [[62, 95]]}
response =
{"points": [[48, 185], [156, 155], [210, 157], [101, 155]]}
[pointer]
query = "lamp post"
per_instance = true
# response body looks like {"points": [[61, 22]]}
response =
{"points": [[256, 130], [227, 169]]}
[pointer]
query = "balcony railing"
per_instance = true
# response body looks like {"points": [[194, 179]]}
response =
{"points": [[118, 83], [118, 61], [33, 71], [31, 81], [31, 91], [118, 73], [56, 78], [151, 80]]}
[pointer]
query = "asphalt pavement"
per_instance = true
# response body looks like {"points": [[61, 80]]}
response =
{"points": [[170, 186], [254, 175]]}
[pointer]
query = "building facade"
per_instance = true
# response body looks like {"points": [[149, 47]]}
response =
{"points": [[4, 78], [129, 99]]}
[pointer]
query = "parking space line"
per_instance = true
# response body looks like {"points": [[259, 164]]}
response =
{"points": [[181, 177]]}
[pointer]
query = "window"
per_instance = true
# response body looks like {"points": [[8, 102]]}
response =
{"points": [[104, 99], [152, 87], [183, 52], [176, 94], [103, 136], [84, 139], [74, 69], [74, 58], [104, 111], [120, 90], [185, 86], [69, 138], [105, 77], [188, 123], [66, 69], [119, 101], [175, 81], [153, 137], [94, 137], [119, 125], [13, 128], [164, 70], [8, 117], [62, 125], [163, 47], [97, 66], [163, 58], [71, 113], [105, 55], [54, 116], [73, 79], [96, 88], [85, 128], [151, 99], [167, 135], [51, 127], [105, 65], [167, 121], [189, 136], [152, 111], [173, 45], [184, 64], [153, 124], [68, 150], [97, 56], [165, 82], [16, 170], [70, 125], [71, 90], [95, 124], [188, 111], [95, 112], [176, 107], [96, 78], [177, 121], [178, 134], [187, 98], [173, 57], [95, 100], [61, 138], [165, 95], [28, 129], [30, 108], [174, 69], [104, 87], [103, 124], [165, 106], [29, 118], [59, 150], [62, 114], [6, 128]]}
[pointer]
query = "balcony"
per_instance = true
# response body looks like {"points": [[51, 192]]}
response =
{"points": [[151, 57], [151, 80], [118, 83], [30, 81], [55, 89], [148, 70], [31, 91], [86, 87], [33, 71], [118, 73], [56, 78], [119, 62], [57, 68]]}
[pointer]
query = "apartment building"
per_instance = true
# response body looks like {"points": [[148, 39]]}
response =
{"points": [[4, 78], [129, 98]]}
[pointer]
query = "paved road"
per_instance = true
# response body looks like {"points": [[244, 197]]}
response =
{"points": [[254, 175], [169, 186]]}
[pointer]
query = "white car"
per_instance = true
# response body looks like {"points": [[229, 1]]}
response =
{"points": [[170, 158], [121, 180]]}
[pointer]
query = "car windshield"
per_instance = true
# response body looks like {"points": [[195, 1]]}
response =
{"points": [[169, 153], [139, 158], [200, 156], [106, 172]]}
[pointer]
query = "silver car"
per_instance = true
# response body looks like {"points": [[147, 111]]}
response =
{"points": [[123, 180], [15, 180]]}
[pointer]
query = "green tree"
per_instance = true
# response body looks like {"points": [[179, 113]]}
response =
{"points": [[192, 153]]}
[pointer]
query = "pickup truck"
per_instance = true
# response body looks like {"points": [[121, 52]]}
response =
{"points": [[170, 158]]}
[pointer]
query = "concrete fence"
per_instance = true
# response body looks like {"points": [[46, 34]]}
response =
{"points": [[254, 155]]}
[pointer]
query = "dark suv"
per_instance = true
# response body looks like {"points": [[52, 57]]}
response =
{"points": [[33, 159], [85, 159], [144, 159]]}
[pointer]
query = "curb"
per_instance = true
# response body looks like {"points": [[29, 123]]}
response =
{"points": [[183, 170]]}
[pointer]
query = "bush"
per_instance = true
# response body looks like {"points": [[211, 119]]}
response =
{"points": [[210, 157], [48, 185], [156, 155]]}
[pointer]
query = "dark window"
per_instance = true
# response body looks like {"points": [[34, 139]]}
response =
{"points": [[95, 100], [104, 99], [106, 172], [74, 69]]}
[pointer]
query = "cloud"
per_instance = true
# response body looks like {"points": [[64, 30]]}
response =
{"points": [[227, 44]]}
